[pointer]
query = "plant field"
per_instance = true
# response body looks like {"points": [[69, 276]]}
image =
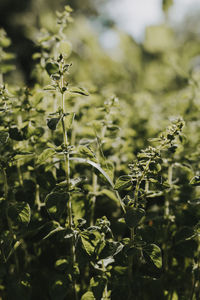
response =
{"points": [[99, 165]]}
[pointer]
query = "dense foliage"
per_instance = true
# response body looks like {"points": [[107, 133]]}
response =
{"points": [[99, 166]]}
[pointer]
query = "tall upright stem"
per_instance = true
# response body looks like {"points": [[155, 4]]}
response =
{"points": [[66, 153], [94, 185], [67, 170], [7, 216], [170, 172], [130, 265], [167, 215]]}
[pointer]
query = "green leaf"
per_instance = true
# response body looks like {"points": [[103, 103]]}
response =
{"points": [[88, 296], [195, 181], [122, 182], [69, 118], [8, 56], [52, 123], [108, 167], [5, 42], [78, 90], [133, 216], [19, 213], [3, 137], [56, 204], [90, 240], [61, 264], [47, 153], [76, 181], [48, 229], [52, 68], [154, 253], [97, 285], [86, 152], [25, 156], [95, 165], [111, 249]]}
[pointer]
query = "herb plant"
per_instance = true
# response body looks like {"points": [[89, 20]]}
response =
{"points": [[98, 201]]}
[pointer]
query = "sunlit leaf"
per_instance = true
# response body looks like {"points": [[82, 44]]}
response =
{"points": [[19, 213], [154, 253], [122, 182]]}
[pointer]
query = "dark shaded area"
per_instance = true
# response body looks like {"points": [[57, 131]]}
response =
{"points": [[22, 46]]}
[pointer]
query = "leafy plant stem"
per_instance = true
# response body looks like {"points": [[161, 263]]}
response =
{"points": [[139, 182], [67, 170], [94, 185], [8, 219], [105, 293], [166, 212], [170, 172], [98, 167], [130, 264]]}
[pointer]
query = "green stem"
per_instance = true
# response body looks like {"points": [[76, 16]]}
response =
{"points": [[67, 170], [166, 215], [130, 264], [94, 185], [170, 172], [105, 293], [8, 219], [139, 182]]}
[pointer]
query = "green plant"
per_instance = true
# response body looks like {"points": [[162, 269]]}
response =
{"points": [[85, 213]]}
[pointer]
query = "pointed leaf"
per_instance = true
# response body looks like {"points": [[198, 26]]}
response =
{"points": [[95, 165], [88, 296], [52, 123], [52, 68], [19, 213], [90, 240], [47, 153], [122, 182], [154, 253], [79, 90], [86, 152], [195, 181]]}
